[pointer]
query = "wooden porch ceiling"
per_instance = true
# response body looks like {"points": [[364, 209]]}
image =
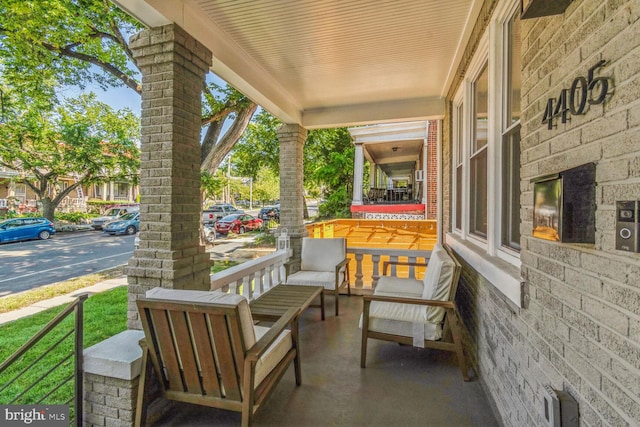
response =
{"points": [[327, 63]]}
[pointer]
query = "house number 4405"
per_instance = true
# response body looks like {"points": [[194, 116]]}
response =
{"points": [[584, 91]]}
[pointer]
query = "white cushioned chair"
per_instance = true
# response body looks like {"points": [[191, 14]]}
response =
{"points": [[205, 350], [421, 313], [323, 263]]}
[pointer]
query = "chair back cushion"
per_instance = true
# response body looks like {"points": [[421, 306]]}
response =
{"points": [[437, 281], [182, 295], [322, 254]]}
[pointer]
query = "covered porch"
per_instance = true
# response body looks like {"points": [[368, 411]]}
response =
{"points": [[533, 308], [401, 385]]}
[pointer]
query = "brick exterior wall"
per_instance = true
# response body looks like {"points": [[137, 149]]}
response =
{"points": [[173, 67], [109, 401], [581, 332]]}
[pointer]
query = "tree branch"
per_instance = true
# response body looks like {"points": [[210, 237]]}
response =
{"points": [[123, 77], [224, 146], [218, 116]]}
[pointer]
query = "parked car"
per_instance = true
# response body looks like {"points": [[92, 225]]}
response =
{"points": [[268, 213], [215, 212], [238, 223], [16, 229], [126, 224], [112, 214], [209, 234]]}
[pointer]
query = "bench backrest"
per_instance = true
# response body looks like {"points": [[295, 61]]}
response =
{"points": [[440, 280], [322, 254], [198, 348]]}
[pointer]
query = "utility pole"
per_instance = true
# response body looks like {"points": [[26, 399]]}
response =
{"points": [[229, 180]]}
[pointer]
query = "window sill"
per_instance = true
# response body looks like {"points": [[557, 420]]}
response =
{"points": [[504, 276]]}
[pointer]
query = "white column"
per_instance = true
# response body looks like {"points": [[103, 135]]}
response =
{"points": [[104, 191], [358, 170], [372, 174], [111, 189]]}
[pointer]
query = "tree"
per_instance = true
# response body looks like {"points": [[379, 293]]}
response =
{"points": [[74, 42], [328, 165], [267, 186], [259, 147], [82, 138], [328, 161]]}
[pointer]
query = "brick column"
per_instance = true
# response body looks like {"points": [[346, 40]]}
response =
{"points": [[292, 138], [173, 67]]}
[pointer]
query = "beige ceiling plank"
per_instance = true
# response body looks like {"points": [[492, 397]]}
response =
{"points": [[382, 112]]}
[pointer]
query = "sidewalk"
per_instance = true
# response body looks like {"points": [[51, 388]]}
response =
{"points": [[62, 299]]}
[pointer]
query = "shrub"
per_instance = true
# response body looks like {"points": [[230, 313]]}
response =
{"points": [[72, 217]]}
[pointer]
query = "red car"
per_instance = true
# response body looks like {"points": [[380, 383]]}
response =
{"points": [[237, 223]]}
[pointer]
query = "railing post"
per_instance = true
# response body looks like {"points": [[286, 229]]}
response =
{"points": [[376, 270], [359, 282], [78, 349]]}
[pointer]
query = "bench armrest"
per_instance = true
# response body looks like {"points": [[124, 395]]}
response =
{"points": [[386, 264], [402, 300], [290, 317]]}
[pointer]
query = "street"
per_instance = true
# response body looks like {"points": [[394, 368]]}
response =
{"points": [[27, 265]]}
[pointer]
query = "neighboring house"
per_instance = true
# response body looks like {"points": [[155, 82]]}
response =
{"points": [[403, 170], [16, 195]]}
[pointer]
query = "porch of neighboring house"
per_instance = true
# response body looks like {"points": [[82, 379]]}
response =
{"points": [[402, 170]]}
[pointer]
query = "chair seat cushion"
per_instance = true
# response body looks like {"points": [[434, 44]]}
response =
{"points": [[406, 320], [399, 287], [327, 279], [432, 332], [274, 354]]}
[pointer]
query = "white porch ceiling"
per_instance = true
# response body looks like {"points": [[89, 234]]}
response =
{"points": [[327, 63]]}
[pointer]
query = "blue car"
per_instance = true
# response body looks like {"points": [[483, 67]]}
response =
{"points": [[16, 229], [126, 224]]}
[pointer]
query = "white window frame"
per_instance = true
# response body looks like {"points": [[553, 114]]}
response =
{"points": [[500, 265], [459, 156]]}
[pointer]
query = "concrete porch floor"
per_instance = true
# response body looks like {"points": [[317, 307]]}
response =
{"points": [[401, 385]]}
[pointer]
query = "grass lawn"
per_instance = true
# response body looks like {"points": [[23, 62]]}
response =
{"points": [[105, 314], [24, 299]]}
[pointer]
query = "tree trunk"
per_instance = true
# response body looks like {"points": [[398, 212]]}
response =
{"points": [[48, 208], [212, 159]]}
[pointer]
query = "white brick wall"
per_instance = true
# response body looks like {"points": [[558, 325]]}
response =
{"points": [[581, 332]]}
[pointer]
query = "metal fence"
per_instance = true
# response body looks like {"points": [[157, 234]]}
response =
{"points": [[48, 368]]}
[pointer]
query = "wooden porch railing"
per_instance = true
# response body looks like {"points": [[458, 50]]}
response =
{"points": [[254, 277], [369, 261]]}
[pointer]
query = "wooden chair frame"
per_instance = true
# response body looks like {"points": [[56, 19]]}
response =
{"points": [[451, 327], [199, 355]]}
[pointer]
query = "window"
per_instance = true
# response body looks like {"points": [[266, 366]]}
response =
{"points": [[485, 175], [458, 162], [478, 173], [510, 224], [21, 192]]}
